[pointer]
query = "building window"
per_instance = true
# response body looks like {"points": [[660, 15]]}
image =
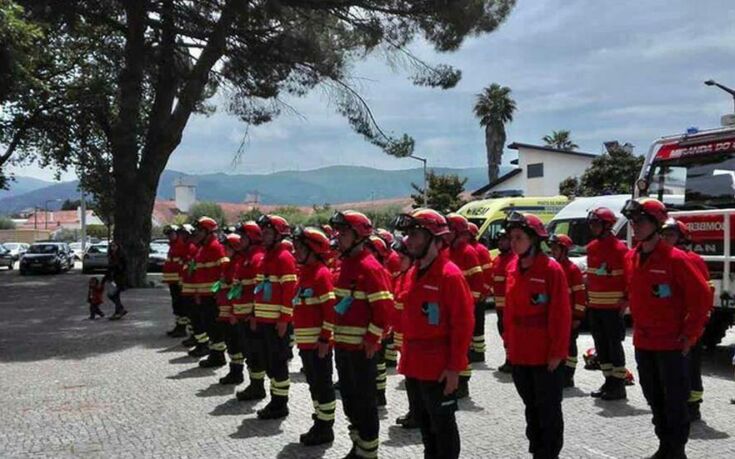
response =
{"points": [[535, 170]]}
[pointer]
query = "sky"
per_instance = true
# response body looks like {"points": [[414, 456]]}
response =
{"points": [[627, 70]]}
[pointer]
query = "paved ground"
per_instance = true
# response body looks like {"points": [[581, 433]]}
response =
{"points": [[76, 388]]}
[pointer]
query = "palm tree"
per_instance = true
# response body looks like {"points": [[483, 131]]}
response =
{"points": [[494, 108], [561, 140]]}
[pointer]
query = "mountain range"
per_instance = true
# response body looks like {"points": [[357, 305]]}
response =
{"points": [[329, 185]]}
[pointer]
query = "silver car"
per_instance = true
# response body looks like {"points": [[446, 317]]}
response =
{"points": [[6, 258], [16, 249], [95, 258]]}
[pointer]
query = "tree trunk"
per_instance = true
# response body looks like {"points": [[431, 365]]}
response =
{"points": [[494, 144]]}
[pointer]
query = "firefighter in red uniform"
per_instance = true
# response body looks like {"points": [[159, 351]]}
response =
{"points": [[393, 264], [463, 255], [382, 252], [242, 308], [538, 320], [676, 234], [364, 299], [408, 420], [187, 235], [500, 274], [560, 244], [225, 302], [438, 311], [607, 301], [177, 248], [313, 322], [669, 301], [209, 263], [486, 263], [273, 311]]}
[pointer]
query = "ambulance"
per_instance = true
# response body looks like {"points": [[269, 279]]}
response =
{"points": [[694, 175]]}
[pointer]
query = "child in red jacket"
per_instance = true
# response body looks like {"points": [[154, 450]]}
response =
{"points": [[94, 298]]}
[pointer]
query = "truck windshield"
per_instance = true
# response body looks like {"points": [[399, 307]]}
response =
{"points": [[696, 182]]}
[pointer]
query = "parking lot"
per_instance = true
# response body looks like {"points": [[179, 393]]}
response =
{"points": [[71, 387]]}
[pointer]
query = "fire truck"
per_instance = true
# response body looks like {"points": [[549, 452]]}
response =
{"points": [[694, 175]]}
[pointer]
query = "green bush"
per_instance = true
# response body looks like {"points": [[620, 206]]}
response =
{"points": [[207, 209], [6, 223], [97, 231]]}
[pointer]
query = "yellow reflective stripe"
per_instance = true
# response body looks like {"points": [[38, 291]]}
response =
{"points": [[328, 326], [357, 294], [487, 266], [309, 339], [499, 301], [378, 296], [476, 295], [248, 281], [173, 277], [321, 299], [267, 315], [307, 331], [473, 270], [375, 330], [242, 308], [288, 310], [275, 279], [578, 288], [606, 294], [399, 306], [347, 339], [605, 300], [343, 329], [498, 278], [579, 307], [267, 307]]}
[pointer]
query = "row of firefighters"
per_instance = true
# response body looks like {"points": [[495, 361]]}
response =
{"points": [[356, 296]]}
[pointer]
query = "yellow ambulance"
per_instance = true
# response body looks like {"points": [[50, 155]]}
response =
{"points": [[488, 214]]}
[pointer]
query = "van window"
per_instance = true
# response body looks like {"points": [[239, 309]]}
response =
{"points": [[492, 231]]}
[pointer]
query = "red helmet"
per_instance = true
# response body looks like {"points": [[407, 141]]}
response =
{"points": [[207, 224], [379, 246], [276, 222], [328, 230], [251, 230], [678, 226], [650, 207], [473, 229], [356, 221], [526, 222], [314, 238], [288, 245], [233, 240], [562, 240], [458, 224], [428, 219], [385, 235], [602, 214]]}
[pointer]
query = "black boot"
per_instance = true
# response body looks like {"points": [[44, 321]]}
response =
{"points": [[506, 367], [254, 391], [277, 408], [201, 350], [407, 421], [189, 342], [234, 376], [463, 391], [391, 363], [677, 452], [381, 398], [694, 413], [615, 391], [215, 359], [320, 433], [598, 393], [476, 356], [179, 331], [568, 377]]}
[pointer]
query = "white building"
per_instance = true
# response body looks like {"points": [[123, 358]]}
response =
{"points": [[538, 171]]}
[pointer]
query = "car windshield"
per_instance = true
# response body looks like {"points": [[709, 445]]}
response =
{"points": [[695, 182], [75, 245], [159, 248], [98, 249], [11, 246], [44, 248]]}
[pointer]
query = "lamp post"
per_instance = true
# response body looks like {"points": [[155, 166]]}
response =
{"points": [[723, 87], [426, 179]]}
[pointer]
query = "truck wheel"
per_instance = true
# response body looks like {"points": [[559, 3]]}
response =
{"points": [[716, 329]]}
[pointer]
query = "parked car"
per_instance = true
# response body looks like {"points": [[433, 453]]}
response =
{"points": [[157, 256], [95, 258], [54, 257], [6, 258], [76, 247], [16, 249]]}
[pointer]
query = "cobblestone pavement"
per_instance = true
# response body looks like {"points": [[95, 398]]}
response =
{"points": [[71, 387]]}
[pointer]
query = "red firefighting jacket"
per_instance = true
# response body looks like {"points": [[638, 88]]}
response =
{"points": [[465, 257], [314, 315], [177, 252], [701, 266], [486, 263], [439, 319], [363, 300], [227, 276], [275, 285], [669, 298], [399, 295], [209, 262], [605, 272], [187, 273], [393, 264], [538, 317], [577, 291], [245, 274], [500, 274]]}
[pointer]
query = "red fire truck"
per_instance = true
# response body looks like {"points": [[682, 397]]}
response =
{"points": [[694, 174]]}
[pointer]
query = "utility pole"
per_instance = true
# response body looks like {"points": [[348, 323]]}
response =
{"points": [[426, 179], [83, 218]]}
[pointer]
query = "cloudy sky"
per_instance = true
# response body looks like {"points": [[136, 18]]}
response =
{"points": [[627, 70]]}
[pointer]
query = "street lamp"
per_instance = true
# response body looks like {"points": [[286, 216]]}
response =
{"points": [[723, 87], [426, 178]]}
